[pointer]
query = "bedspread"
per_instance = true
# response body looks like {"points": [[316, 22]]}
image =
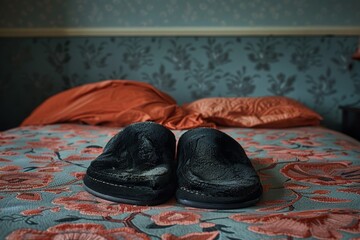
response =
{"points": [[311, 179]]}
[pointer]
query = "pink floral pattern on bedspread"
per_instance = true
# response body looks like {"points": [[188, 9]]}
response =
{"points": [[311, 179]]}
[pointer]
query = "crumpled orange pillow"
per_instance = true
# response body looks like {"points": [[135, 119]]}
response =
{"points": [[115, 103], [267, 112]]}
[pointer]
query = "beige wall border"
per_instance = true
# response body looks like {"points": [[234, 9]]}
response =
{"points": [[179, 31]]}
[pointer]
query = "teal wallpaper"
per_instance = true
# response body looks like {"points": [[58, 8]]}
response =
{"points": [[317, 71], [174, 13]]}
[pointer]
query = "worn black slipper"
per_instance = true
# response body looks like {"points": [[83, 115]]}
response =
{"points": [[215, 172], [136, 167]]}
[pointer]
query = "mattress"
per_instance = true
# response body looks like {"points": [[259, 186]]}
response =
{"points": [[310, 175]]}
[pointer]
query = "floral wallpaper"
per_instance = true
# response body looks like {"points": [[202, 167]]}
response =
{"points": [[170, 13], [317, 71]]}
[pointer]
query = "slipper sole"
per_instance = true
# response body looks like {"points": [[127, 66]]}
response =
{"points": [[119, 193]]}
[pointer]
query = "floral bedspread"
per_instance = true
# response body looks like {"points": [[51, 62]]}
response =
{"points": [[311, 179]]}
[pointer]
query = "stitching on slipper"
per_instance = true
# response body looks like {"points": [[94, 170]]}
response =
{"points": [[196, 192], [208, 195], [112, 184]]}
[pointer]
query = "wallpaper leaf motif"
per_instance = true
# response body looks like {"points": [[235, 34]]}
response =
{"points": [[217, 53], [58, 55], [305, 55], [116, 74], [179, 55], [321, 87], [263, 53], [73, 80], [93, 56], [342, 57], [136, 54], [241, 84], [161, 79], [204, 80], [280, 85]]}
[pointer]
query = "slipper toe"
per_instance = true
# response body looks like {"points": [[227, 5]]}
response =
{"points": [[136, 167], [215, 172]]}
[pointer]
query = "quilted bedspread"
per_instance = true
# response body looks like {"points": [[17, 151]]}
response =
{"points": [[311, 179]]}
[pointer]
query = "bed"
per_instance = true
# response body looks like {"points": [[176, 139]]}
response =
{"points": [[310, 175]]}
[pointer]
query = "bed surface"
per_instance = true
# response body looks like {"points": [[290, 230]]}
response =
{"points": [[311, 179]]}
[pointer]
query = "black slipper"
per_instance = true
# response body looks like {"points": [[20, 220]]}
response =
{"points": [[214, 171], [136, 167]]}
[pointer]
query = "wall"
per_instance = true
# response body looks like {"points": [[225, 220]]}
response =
{"points": [[316, 70], [178, 13]]}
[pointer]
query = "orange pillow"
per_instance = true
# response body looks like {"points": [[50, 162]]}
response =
{"points": [[269, 112], [113, 103]]}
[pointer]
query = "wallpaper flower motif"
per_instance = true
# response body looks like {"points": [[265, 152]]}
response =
{"points": [[281, 85], [161, 79], [73, 80], [58, 55], [341, 60], [305, 55], [179, 55], [203, 80], [322, 87], [137, 55], [217, 53], [240, 84], [263, 53], [92, 54]]}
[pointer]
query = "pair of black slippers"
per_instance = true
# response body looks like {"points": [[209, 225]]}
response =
{"points": [[140, 165]]}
